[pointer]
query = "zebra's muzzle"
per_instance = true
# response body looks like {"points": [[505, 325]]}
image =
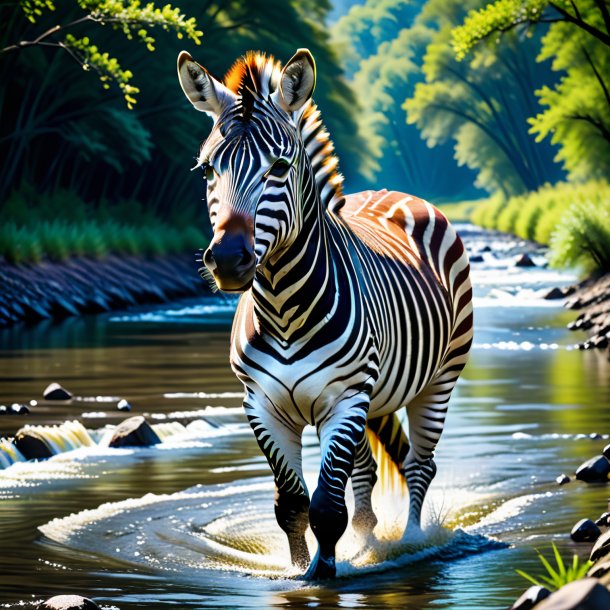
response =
{"points": [[231, 260]]}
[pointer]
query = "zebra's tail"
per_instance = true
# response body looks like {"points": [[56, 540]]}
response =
{"points": [[389, 445]]}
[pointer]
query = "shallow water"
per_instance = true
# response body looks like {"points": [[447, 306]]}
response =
{"points": [[207, 537]]}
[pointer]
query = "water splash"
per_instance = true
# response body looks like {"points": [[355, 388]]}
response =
{"points": [[231, 528]]}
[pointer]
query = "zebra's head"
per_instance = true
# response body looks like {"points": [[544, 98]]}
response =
{"points": [[254, 159]]}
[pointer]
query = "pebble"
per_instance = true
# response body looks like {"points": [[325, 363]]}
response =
{"points": [[585, 531], [530, 598], [604, 520], [56, 392], [18, 409], [123, 405], [583, 594], [68, 602], [524, 260], [601, 547], [595, 470], [563, 479]]}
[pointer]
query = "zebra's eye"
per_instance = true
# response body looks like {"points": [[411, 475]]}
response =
{"points": [[209, 172], [278, 169]]}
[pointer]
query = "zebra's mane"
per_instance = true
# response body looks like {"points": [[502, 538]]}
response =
{"points": [[256, 76]]}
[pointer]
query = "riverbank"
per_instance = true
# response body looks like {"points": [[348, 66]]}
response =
{"points": [[44, 290], [592, 298]]}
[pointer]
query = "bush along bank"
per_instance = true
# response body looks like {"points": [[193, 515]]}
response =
{"points": [[57, 289], [573, 220]]}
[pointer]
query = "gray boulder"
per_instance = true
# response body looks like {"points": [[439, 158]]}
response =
{"points": [[530, 598], [595, 470], [585, 531], [584, 594], [601, 547], [31, 445], [56, 392], [134, 432], [68, 602]]}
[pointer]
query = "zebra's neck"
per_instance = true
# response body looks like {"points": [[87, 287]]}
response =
{"points": [[296, 291]]}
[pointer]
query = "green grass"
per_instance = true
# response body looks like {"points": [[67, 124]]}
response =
{"points": [[60, 240], [560, 575], [60, 226]]}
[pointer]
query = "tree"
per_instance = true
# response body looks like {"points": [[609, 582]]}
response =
{"points": [[483, 105], [577, 114]]}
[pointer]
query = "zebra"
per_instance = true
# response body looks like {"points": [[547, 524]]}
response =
{"points": [[352, 307]]}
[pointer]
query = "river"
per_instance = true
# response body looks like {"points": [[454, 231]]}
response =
{"points": [[190, 523]]}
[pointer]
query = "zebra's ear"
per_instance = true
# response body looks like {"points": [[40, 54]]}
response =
{"points": [[201, 88], [298, 81]]}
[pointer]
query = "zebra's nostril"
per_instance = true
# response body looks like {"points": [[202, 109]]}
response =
{"points": [[246, 258]]}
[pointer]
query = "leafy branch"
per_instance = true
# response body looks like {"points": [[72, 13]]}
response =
{"points": [[505, 15], [129, 16]]}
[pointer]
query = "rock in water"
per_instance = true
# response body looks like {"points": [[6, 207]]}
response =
{"points": [[123, 405], [524, 260], [606, 452], [604, 520], [554, 293], [134, 432], [601, 547], [563, 479], [31, 446], [595, 470], [530, 598], [56, 392], [584, 594], [585, 531], [68, 602]]}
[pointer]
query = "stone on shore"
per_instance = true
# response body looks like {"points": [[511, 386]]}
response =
{"points": [[134, 432], [554, 293], [31, 446], [584, 594], [68, 602], [56, 392], [603, 520], [585, 531], [601, 568], [601, 547], [595, 470], [534, 595]]}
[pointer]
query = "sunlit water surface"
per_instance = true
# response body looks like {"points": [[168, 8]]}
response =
{"points": [[190, 523]]}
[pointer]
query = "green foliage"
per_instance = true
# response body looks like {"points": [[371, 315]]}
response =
{"points": [[483, 104], [560, 575], [576, 109], [573, 219], [129, 16], [582, 237]]}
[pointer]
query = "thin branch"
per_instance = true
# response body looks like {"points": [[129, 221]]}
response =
{"points": [[600, 80], [603, 9], [584, 25], [592, 121]]}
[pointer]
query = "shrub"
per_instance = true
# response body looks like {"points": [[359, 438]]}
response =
{"points": [[556, 578]]}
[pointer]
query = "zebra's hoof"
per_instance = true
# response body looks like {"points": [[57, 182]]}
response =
{"points": [[321, 568]]}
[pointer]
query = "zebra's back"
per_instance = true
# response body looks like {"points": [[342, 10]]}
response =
{"points": [[415, 281]]}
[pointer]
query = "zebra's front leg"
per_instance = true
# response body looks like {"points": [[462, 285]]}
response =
{"points": [[281, 445], [340, 434]]}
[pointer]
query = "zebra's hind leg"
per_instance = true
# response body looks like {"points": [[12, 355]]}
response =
{"points": [[340, 434], [281, 445], [426, 421], [364, 477]]}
